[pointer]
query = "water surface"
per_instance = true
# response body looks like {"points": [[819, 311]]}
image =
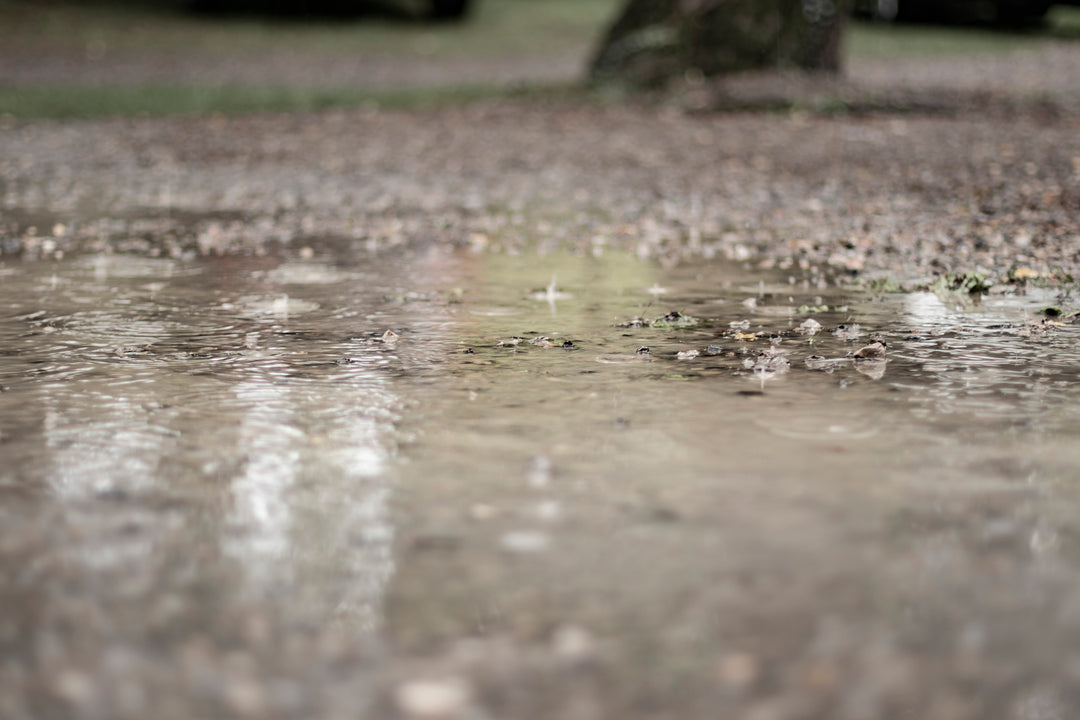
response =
{"points": [[455, 485]]}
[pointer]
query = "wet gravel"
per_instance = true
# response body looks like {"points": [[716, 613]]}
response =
{"points": [[953, 179]]}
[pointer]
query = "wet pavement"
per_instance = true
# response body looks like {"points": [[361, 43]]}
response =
{"points": [[450, 484]]}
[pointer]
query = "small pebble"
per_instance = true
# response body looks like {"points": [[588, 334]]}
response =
{"points": [[539, 472], [573, 644], [75, 687], [549, 510], [737, 670], [483, 511], [525, 542], [433, 698]]}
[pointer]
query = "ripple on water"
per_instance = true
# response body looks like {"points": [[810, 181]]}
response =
{"points": [[105, 267], [306, 274], [816, 425], [622, 359], [496, 311], [270, 306]]}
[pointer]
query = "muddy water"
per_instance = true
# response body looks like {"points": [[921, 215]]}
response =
{"points": [[228, 492]]}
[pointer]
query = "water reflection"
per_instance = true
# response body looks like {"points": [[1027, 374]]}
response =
{"points": [[156, 378], [309, 509], [996, 365]]}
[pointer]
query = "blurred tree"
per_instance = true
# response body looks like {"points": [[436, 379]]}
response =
{"points": [[653, 41]]}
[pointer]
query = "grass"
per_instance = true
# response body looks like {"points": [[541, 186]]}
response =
{"points": [[159, 100], [875, 41], [498, 29]]}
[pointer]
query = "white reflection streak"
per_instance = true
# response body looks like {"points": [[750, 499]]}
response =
{"points": [[260, 507], [363, 533], [100, 442], [311, 507], [101, 429], [926, 309]]}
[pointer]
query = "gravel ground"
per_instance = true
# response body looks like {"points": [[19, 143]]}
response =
{"points": [[969, 164]]}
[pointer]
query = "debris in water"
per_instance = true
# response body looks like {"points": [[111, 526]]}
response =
{"points": [[770, 361], [817, 362], [873, 351], [847, 332], [132, 350], [1040, 328], [873, 368], [687, 354], [674, 319]]}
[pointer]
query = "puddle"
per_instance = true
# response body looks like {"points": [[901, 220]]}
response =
{"points": [[663, 480]]}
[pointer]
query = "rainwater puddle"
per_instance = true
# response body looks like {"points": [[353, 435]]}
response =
{"points": [[249, 487]]}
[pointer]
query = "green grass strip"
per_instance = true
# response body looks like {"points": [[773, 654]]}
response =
{"points": [[159, 100]]}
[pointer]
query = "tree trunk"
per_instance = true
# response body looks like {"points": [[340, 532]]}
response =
{"points": [[653, 41]]}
